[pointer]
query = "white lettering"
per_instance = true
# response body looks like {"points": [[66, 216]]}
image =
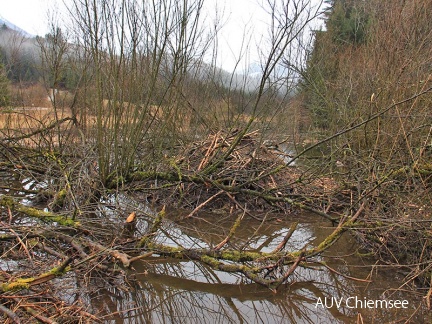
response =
{"points": [[329, 302], [325, 302], [338, 303], [383, 304], [348, 301], [356, 302]]}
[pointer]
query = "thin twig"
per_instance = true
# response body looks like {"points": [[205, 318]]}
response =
{"points": [[203, 204], [231, 233], [343, 275]]}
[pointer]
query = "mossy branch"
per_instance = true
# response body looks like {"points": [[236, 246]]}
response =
{"points": [[231, 232], [14, 205], [153, 229], [26, 283], [335, 235]]}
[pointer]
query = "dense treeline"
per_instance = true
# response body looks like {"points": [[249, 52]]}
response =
{"points": [[19, 56], [368, 79], [371, 54]]}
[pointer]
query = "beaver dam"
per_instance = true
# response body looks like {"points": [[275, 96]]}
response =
{"points": [[140, 182], [227, 229]]}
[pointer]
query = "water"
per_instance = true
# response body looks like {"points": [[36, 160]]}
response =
{"points": [[164, 290]]}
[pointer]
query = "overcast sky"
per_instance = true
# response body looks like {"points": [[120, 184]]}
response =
{"points": [[243, 19], [30, 15]]}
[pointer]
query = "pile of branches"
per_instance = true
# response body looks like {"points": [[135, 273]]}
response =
{"points": [[231, 172], [239, 174], [225, 171], [34, 254], [52, 246]]}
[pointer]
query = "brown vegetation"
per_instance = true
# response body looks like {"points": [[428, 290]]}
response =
{"points": [[146, 117], [369, 81]]}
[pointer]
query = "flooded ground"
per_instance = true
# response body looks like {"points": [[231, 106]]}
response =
{"points": [[351, 289], [164, 290]]}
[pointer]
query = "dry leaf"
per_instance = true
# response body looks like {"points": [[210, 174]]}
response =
{"points": [[131, 217]]}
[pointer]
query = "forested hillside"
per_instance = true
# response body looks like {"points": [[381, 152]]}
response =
{"points": [[367, 84]]}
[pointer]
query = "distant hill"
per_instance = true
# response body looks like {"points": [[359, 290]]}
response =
{"points": [[4, 22]]}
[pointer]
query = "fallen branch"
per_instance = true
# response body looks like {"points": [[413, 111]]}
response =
{"points": [[288, 273], [142, 256], [231, 232], [203, 204], [123, 257], [286, 238], [154, 228], [290, 201], [16, 235], [26, 283], [333, 237], [14, 205], [9, 313], [36, 314], [40, 131], [343, 275]]}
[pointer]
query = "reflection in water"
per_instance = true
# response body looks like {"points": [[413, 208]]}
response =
{"points": [[162, 290], [174, 291]]}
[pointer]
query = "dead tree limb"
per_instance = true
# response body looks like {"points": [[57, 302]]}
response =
{"points": [[203, 204], [36, 314], [231, 232], [26, 283], [9, 313], [42, 130], [14, 205], [288, 273], [286, 238], [123, 257], [153, 229]]}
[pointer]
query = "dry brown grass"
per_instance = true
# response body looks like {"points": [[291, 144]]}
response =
{"points": [[31, 109], [29, 118], [29, 95]]}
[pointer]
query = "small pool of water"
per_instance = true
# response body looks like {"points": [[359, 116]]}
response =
{"points": [[352, 289], [165, 290]]}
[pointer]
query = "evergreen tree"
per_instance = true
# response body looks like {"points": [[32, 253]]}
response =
{"points": [[347, 24], [4, 88], [347, 21]]}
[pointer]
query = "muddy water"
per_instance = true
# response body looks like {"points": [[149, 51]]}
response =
{"points": [[173, 291], [163, 290]]}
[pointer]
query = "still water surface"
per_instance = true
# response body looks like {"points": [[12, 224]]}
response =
{"points": [[173, 291], [164, 290]]}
